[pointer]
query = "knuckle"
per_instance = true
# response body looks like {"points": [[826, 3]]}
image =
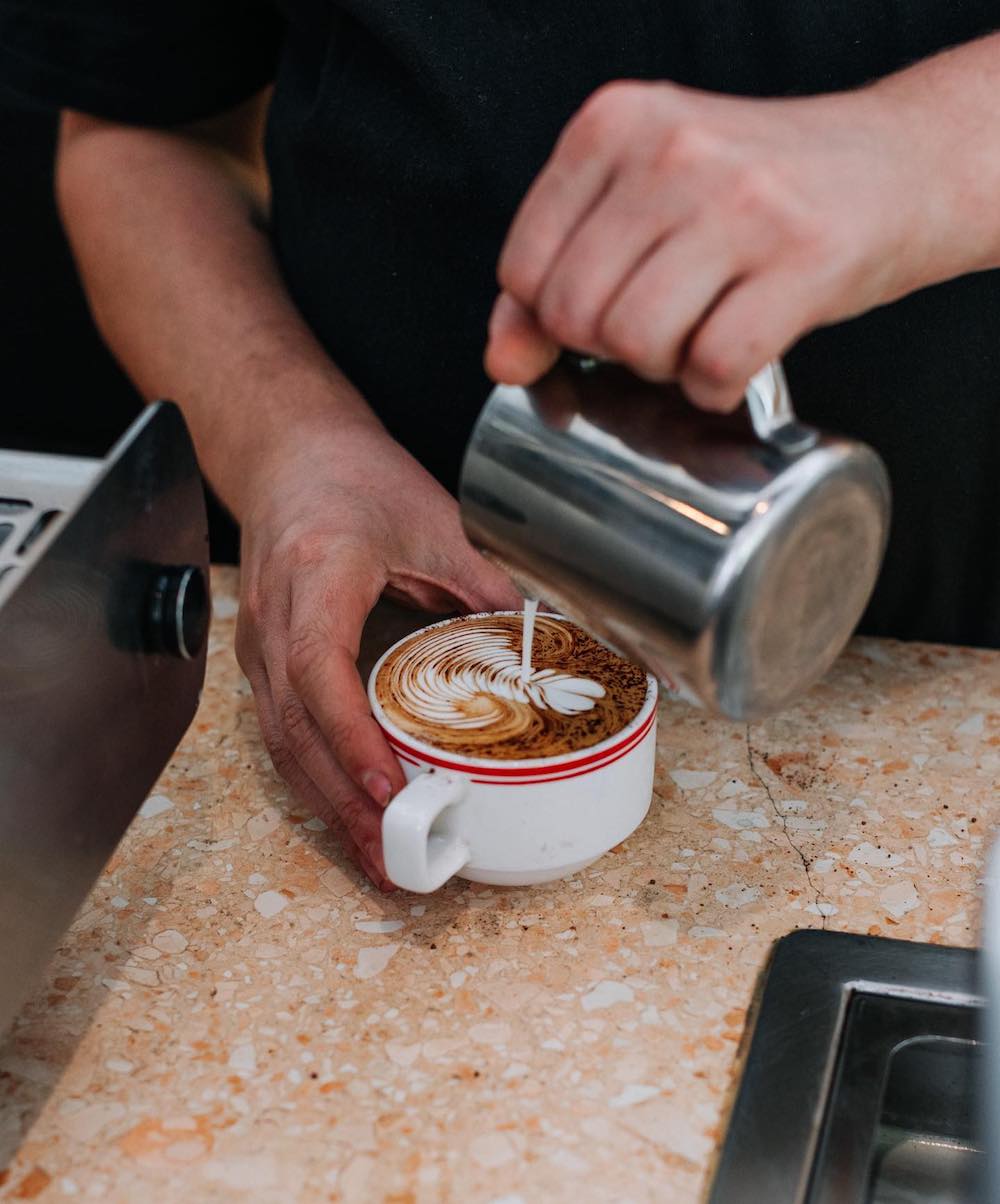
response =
{"points": [[251, 604], [688, 147], [563, 318], [605, 113], [304, 647], [306, 546], [755, 188], [517, 273], [809, 237], [713, 364], [351, 811], [294, 721], [627, 342], [282, 757]]}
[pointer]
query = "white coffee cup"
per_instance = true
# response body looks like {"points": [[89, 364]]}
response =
{"points": [[512, 822]]}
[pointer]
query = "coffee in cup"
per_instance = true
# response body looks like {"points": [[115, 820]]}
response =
{"points": [[461, 687]]}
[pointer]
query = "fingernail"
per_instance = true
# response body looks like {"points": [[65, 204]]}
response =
{"points": [[378, 786]]}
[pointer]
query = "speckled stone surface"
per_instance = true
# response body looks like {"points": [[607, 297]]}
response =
{"points": [[237, 1015]]}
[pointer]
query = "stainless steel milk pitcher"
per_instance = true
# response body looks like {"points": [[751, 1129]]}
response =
{"points": [[732, 555]]}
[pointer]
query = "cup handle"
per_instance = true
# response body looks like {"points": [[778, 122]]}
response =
{"points": [[416, 857]]}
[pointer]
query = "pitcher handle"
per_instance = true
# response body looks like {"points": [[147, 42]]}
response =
{"points": [[770, 404]]}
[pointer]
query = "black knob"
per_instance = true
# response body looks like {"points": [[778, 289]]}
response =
{"points": [[177, 611]]}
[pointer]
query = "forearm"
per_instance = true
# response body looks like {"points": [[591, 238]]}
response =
{"points": [[949, 109], [185, 290]]}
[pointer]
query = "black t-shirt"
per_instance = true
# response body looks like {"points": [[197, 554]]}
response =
{"points": [[402, 135]]}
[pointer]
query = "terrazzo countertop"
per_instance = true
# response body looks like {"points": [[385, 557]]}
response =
{"points": [[236, 1014]]}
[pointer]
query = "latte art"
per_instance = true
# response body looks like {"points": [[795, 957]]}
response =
{"points": [[472, 677], [463, 686]]}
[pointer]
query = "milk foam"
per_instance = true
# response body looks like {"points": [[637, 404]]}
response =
{"points": [[487, 686], [465, 678]]}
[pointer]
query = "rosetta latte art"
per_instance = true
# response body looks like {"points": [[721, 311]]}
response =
{"points": [[462, 686], [469, 677]]}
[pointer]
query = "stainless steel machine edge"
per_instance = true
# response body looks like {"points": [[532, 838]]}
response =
{"points": [[102, 659]]}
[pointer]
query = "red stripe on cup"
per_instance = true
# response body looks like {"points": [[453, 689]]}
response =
{"points": [[578, 773], [524, 775]]}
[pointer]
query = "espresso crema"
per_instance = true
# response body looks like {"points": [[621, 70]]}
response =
{"points": [[461, 686]]}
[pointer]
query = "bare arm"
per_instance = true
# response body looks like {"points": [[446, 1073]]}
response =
{"points": [[168, 228]]}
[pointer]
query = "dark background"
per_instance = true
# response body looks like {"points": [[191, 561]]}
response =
{"points": [[62, 389]]}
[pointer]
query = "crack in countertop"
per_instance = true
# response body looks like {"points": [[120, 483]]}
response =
{"points": [[818, 897]]}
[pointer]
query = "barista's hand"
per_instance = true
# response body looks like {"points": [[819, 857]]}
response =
{"points": [[694, 237], [339, 517]]}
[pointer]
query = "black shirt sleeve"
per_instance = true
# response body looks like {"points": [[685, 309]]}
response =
{"points": [[151, 62]]}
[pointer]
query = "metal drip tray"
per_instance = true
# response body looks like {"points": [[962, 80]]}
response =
{"points": [[35, 491], [861, 1079], [922, 1086]]}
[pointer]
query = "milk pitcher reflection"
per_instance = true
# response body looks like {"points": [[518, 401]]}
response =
{"points": [[732, 555]]}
